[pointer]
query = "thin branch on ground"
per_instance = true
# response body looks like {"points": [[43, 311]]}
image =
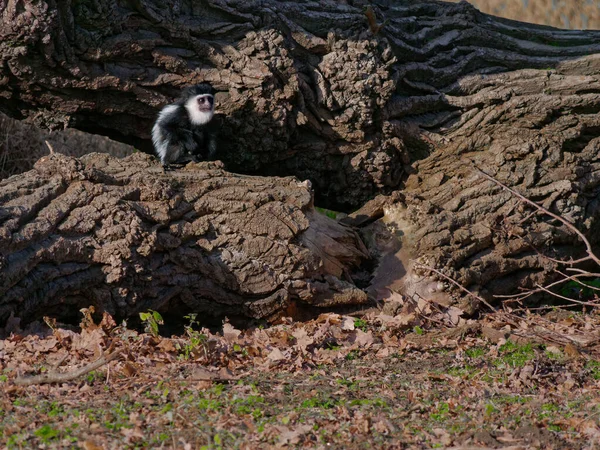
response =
{"points": [[571, 300], [530, 292], [591, 256], [584, 273], [60, 377], [576, 280]]}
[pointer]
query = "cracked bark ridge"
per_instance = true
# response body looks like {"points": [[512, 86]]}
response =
{"points": [[311, 91], [536, 131], [125, 236], [308, 89], [300, 97]]}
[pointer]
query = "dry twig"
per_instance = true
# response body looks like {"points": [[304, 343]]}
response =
{"points": [[456, 283], [590, 254], [50, 147], [58, 377]]}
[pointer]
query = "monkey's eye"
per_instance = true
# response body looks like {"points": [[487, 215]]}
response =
{"points": [[205, 102]]}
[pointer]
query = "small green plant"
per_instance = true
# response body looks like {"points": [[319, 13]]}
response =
{"points": [[46, 433], [197, 340], [594, 368], [206, 404], [490, 409], [352, 355], [316, 402], [16, 440], [218, 441], [418, 330], [347, 383], [249, 405], [475, 352], [579, 290], [93, 376], [514, 355], [332, 345], [548, 410], [466, 371], [151, 319], [361, 324], [239, 349], [327, 212], [442, 412]]}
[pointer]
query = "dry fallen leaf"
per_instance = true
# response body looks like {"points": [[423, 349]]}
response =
{"points": [[292, 436], [129, 369], [363, 339], [347, 323], [89, 340], [572, 351], [87, 322], [166, 345], [230, 333], [90, 445], [275, 355], [202, 374], [303, 340]]}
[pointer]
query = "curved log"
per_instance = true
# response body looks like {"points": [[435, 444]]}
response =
{"points": [[308, 88], [353, 99], [537, 132], [126, 237]]}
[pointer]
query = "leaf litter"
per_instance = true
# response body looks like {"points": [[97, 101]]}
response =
{"points": [[419, 376]]}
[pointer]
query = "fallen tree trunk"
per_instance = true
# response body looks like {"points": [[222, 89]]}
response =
{"points": [[126, 237], [353, 99], [308, 88]]}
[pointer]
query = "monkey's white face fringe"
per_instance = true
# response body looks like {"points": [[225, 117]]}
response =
{"points": [[158, 139], [198, 117]]}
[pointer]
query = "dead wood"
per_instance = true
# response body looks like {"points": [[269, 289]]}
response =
{"points": [[62, 377], [307, 88], [353, 99], [125, 236]]}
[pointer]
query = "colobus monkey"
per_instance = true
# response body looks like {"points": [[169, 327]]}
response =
{"points": [[182, 132]]}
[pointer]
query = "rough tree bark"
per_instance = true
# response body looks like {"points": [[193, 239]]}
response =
{"points": [[317, 90], [125, 236]]}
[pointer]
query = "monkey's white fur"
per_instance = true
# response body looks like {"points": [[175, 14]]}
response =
{"points": [[198, 117], [160, 143]]}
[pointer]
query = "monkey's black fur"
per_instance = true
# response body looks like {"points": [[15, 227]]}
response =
{"points": [[184, 131]]}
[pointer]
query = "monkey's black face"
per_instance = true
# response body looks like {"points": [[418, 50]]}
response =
{"points": [[205, 102], [199, 102]]}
